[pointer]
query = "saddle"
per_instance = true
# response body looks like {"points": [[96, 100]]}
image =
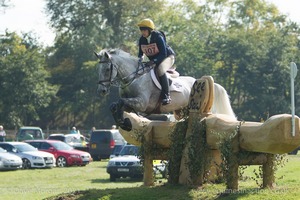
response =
{"points": [[174, 83]]}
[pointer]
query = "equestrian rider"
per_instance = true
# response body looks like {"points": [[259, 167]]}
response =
{"points": [[152, 43]]}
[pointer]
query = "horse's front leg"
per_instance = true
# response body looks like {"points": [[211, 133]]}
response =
{"points": [[137, 104], [117, 108]]}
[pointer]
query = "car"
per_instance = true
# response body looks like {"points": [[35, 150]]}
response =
{"points": [[9, 161], [64, 154], [128, 164], [116, 151], [103, 142], [29, 133], [31, 157], [77, 141]]}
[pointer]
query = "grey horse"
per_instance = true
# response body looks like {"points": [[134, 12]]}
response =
{"points": [[140, 93]]}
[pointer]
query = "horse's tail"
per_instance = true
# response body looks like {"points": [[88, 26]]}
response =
{"points": [[221, 103]]}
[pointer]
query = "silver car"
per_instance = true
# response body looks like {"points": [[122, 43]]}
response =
{"points": [[9, 161], [31, 157]]}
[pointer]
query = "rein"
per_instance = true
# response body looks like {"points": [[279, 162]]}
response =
{"points": [[141, 67], [125, 81]]}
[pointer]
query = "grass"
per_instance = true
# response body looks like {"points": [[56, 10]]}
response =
{"points": [[92, 182]]}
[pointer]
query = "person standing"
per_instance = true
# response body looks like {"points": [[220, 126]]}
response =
{"points": [[73, 131], [91, 131], [2, 134], [152, 43]]}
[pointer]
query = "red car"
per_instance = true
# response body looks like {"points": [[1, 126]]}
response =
{"points": [[64, 154]]}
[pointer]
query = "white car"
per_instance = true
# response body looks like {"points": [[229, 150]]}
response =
{"points": [[31, 157], [9, 161], [127, 164]]}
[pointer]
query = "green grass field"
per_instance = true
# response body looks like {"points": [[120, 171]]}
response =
{"points": [[92, 182]]}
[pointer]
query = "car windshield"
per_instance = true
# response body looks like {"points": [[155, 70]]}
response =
{"points": [[56, 137], [24, 147], [2, 150], [129, 150], [62, 146], [73, 139]]}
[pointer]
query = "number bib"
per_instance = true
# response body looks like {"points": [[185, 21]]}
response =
{"points": [[150, 49]]}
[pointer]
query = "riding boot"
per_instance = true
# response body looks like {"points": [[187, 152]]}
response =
{"points": [[165, 93]]}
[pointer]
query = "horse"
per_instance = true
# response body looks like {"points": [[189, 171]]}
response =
{"points": [[139, 92]]}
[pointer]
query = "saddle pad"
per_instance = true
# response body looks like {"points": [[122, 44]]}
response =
{"points": [[175, 86]]}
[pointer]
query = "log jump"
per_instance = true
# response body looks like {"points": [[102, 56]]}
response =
{"points": [[261, 139]]}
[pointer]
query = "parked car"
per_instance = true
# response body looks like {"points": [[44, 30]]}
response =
{"points": [[124, 166], [77, 141], [31, 157], [29, 133], [127, 164], [103, 142], [64, 154], [9, 161], [116, 151]]}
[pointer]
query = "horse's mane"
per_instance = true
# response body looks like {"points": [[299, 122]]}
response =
{"points": [[118, 52]]}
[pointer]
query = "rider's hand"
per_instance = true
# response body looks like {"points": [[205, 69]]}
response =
{"points": [[140, 59], [150, 63]]}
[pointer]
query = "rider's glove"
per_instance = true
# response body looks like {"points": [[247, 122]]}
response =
{"points": [[150, 63]]}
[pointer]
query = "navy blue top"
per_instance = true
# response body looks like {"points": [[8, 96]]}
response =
{"points": [[157, 50]]}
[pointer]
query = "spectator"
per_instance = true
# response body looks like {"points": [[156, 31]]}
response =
{"points": [[2, 134], [92, 129], [73, 131]]}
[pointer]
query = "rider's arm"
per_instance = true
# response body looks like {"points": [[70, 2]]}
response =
{"points": [[161, 45], [140, 55]]}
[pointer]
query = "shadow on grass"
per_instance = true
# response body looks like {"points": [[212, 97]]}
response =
{"points": [[134, 193], [162, 192], [119, 180]]}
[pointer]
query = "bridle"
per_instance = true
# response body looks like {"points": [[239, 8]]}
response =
{"points": [[110, 79], [125, 81]]}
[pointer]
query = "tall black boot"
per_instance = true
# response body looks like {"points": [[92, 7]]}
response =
{"points": [[165, 93]]}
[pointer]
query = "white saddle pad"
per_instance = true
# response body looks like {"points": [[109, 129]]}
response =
{"points": [[175, 86]]}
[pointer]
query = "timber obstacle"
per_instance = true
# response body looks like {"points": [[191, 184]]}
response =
{"points": [[250, 143]]}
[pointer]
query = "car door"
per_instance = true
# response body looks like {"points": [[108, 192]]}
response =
{"points": [[7, 147], [45, 146], [35, 144]]}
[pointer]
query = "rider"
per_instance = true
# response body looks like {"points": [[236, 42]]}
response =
{"points": [[152, 43]]}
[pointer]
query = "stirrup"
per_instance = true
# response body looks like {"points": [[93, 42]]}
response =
{"points": [[166, 101]]}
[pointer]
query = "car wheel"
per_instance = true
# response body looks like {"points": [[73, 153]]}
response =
{"points": [[61, 162], [26, 163], [112, 177], [96, 158]]}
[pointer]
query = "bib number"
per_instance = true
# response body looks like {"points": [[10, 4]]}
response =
{"points": [[150, 49]]}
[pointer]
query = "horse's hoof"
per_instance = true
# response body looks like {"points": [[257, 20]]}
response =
{"points": [[113, 107]]}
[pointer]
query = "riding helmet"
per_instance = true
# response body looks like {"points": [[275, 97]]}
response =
{"points": [[146, 23]]}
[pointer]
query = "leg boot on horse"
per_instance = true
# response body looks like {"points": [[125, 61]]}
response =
{"points": [[165, 92]]}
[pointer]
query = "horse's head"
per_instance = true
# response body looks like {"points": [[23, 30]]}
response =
{"points": [[115, 68], [107, 72]]}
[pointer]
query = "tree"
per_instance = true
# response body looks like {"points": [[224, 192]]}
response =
{"points": [[24, 89], [83, 27]]}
